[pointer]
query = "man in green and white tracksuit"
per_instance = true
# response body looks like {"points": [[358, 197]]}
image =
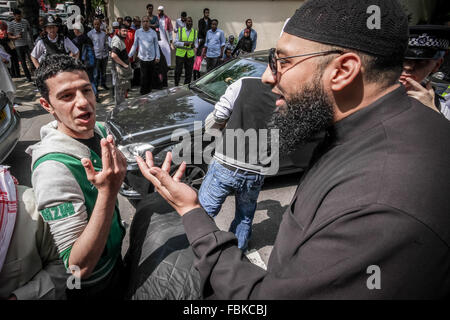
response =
{"points": [[76, 174]]}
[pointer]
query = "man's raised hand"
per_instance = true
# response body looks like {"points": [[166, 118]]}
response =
{"points": [[179, 195], [423, 94], [113, 170]]}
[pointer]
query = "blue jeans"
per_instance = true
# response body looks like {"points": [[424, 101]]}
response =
{"points": [[100, 72], [221, 182]]}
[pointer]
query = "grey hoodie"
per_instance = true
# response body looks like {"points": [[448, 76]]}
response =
{"points": [[54, 184]]}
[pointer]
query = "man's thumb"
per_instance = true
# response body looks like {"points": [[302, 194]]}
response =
{"points": [[90, 172]]}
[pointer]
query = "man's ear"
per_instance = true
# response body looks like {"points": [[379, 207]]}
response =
{"points": [[346, 68], [46, 105]]}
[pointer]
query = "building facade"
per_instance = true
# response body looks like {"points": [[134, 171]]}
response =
{"points": [[268, 15]]}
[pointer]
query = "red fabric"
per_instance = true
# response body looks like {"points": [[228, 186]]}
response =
{"points": [[8, 210], [197, 63], [129, 40], [3, 30], [168, 23]]}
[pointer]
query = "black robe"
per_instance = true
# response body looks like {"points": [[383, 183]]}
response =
{"points": [[373, 206]]}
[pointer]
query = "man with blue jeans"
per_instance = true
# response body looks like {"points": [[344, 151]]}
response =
{"points": [[234, 172], [100, 41], [220, 182], [214, 45]]}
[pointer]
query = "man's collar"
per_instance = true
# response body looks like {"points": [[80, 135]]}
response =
{"points": [[385, 107]]}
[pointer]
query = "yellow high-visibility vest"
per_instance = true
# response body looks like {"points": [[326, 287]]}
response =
{"points": [[181, 52]]}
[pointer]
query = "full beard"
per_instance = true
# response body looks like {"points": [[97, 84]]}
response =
{"points": [[306, 114]]}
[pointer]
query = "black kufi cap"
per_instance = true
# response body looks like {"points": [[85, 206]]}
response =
{"points": [[344, 23]]}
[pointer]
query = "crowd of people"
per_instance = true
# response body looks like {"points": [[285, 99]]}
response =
{"points": [[372, 198], [140, 48]]}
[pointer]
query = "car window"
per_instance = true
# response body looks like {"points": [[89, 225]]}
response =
{"points": [[217, 81]]}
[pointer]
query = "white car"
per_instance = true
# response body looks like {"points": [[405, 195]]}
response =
{"points": [[9, 118]]}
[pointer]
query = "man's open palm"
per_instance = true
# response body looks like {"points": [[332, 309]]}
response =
{"points": [[178, 194]]}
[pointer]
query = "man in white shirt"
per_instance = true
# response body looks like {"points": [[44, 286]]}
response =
{"points": [[181, 22], [52, 44], [165, 31], [146, 43], [100, 41]]}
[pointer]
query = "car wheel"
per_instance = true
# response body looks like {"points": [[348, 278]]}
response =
{"points": [[194, 174]]}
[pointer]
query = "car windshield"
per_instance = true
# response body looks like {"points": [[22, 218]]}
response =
{"points": [[215, 83]]}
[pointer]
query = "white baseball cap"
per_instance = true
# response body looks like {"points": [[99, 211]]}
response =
{"points": [[160, 8], [78, 26]]}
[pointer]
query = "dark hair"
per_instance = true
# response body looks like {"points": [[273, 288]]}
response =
{"points": [[184, 14], [148, 6], [249, 19], [123, 26], [128, 19], [384, 70], [205, 10], [51, 66], [215, 21], [16, 11]]}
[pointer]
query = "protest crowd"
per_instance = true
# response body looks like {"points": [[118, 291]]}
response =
{"points": [[375, 191]]}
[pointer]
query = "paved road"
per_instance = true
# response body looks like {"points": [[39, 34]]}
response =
{"points": [[273, 200]]}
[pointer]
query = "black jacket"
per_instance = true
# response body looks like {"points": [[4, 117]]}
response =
{"points": [[376, 197], [203, 29], [82, 40], [245, 45]]}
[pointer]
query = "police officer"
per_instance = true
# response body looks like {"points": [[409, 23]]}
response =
{"points": [[428, 44], [54, 43]]}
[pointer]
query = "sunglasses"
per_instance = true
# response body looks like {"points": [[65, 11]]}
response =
{"points": [[273, 60]]}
